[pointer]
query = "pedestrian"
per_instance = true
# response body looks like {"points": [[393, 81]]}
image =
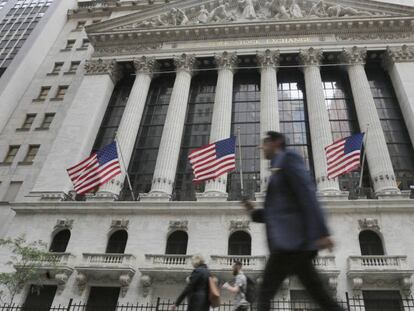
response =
{"points": [[295, 225], [238, 288], [197, 290]]}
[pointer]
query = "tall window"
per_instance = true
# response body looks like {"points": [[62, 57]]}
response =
{"points": [[60, 241], [343, 118], [177, 243], [144, 157], [393, 125], [246, 118], [31, 153], [114, 112], [47, 121], [196, 132], [27, 124], [103, 299], [39, 297], [61, 92], [44, 91], [293, 113], [57, 67], [240, 243], [11, 154], [382, 300], [370, 243], [117, 242]]}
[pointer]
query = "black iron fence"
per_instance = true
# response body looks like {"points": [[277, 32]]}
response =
{"points": [[349, 304]]}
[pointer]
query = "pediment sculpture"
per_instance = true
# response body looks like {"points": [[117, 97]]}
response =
{"points": [[250, 10]]}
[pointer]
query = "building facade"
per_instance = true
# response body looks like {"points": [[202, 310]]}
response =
{"points": [[168, 77]]}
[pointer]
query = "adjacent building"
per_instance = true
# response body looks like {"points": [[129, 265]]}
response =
{"points": [[167, 77]]}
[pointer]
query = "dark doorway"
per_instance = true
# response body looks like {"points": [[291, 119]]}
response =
{"points": [[60, 241], [103, 299], [382, 301], [370, 243], [39, 298], [177, 243], [117, 242]]}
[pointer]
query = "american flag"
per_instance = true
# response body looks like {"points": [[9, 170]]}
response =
{"points": [[98, 169], [213, 160], [344, 155]]}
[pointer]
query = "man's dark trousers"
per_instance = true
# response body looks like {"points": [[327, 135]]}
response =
{"points": [[283, 264]]}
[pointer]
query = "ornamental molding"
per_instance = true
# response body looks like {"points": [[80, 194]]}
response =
{"points": [[402, 54], [178, 225], [185, 62], [103, 67], [226, 60], [369, 224], [119, 224], [146, 65], [126, 49], [268, 58], [311, 57], [237, 225], [64, 224]]}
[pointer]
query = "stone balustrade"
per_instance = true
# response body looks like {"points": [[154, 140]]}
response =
{"points": [[369, 263]]}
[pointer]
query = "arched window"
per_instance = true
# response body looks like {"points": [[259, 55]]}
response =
{"points": [[240, 243], [177, 243], [60, 241], [370, 243], [117, 242]]}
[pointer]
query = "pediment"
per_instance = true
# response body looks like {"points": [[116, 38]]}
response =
{"points": [[192, 13]]}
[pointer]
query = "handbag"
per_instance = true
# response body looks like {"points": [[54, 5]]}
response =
{"points": [[213, 292]]}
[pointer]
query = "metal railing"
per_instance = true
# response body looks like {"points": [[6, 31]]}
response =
{"points": [[348, 304]]}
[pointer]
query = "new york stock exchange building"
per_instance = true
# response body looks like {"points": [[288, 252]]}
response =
{"points": [[167, 77]]}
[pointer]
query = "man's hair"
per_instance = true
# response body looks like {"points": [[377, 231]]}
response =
{"points": [[238, 263], [276, 136]]}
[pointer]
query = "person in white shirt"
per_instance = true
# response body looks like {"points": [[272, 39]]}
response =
{"points": [[238, 287]]}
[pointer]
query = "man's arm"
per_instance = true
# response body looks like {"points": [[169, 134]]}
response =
{"points": [[305, 194], [257, 215]]}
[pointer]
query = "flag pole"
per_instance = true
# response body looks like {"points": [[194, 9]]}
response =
{"points": [[363, 158], [240, 163], [124, 167]]}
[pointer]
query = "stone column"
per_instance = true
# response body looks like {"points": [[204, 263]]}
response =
{"points": [[399, 62], [379, 161], [130, 122], [221, 121], [78, 130], [169, 150], [320, 127], [269, 106]]}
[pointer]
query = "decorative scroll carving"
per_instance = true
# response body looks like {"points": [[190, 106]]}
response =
{"points": [[126, 50], [373, 36], [147, 65], [124, 280], [226, 60], [118, 224], [311, 57], [102, 67], [236, 225], [61, 279], [185, 62], [268, 58], [146, 283], [354, 55], [248, 10], [178, 225], [81, 281], [368, 224], [400, 55], [63, 224]]}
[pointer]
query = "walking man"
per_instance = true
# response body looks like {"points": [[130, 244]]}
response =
{"points": [[295, 225], [239, 288]]}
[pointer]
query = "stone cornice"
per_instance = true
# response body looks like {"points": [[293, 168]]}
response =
{"points": [[103, 67]]}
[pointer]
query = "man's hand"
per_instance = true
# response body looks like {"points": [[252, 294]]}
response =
{"points": [[173, 308], [225, 285], [325, 243], [248, 205]]}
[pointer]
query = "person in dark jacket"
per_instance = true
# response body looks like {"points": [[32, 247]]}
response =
{"points": [[197, 289], [295, 225]]}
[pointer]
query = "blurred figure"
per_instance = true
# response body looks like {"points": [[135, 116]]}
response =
{"points": [[295, 225], [197, 289], [238, 288]]}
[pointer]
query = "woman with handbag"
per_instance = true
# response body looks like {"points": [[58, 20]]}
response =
{"points": [[198, 289]]}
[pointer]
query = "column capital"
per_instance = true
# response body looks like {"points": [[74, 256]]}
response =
{"points": [[226, 60], [403, 54], [103, 67], [145, 65], [311, 57], [185, 62], [268, 58], [354, 56]]}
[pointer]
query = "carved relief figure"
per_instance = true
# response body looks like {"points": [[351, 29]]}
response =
{"points": [[247, 6], [319, 9], [341, 11], [282, 10], [220, 13], [177, 17], [295, 10], [277, 9], [203, 15]]}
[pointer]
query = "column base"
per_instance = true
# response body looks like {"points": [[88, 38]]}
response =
{"points": [[102, 196], [332, 195], [212, 196], [53, 196], [155, 196], [392, 195]]}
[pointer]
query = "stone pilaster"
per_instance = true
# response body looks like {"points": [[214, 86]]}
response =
{"points": [[269, 106], [320, 127], [169, 150], [379, 161], [221, 121], [130, 122], [78, 130], [399, 62]]}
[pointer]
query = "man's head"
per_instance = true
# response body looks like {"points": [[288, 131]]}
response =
{"points": [[273, 143], [237, 266]]}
